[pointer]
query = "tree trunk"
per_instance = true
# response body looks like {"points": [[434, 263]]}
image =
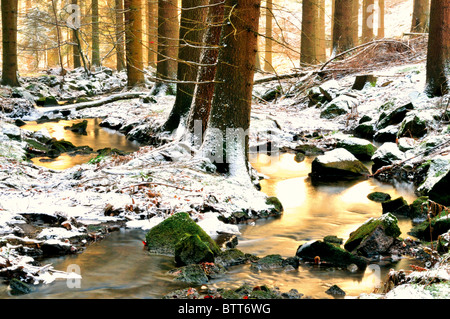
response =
{"points": [[9, 36], [268, 41], [342, 27], [438, 57], [420, 16], [368, 21], [193, 17], [308, 47], [201, 104], [52, 49], [75, 48], [152, 31], [355, 18], [133, 37], [380, 32], [120, 34], [166, 67], [95, 35], [227, 133], [321, 53]]}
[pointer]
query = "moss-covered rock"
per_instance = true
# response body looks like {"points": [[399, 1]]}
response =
{"points": [[275, 203], [386, 154], [79, 128], [270, 262], [164, 237], [379, 197], [413, 126], [419, 208], [396, 206], [362, 149], [394, 117], [439, 225], [437, 181], [232, 257], [332, 239], [443, 245], [365, 130], [193, 274], [390, 227], [329, 254], [192, 250]]}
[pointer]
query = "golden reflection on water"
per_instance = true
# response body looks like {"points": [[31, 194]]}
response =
{"points": [[96, 138]]}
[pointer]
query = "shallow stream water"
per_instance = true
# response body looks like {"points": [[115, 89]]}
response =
{"points": [[120, 267]]}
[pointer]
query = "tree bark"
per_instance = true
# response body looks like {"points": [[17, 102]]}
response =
{"points": [[368, 21], [201, 104], [152, 31], [420, 16], [355, 17], [193, 17], [166, 67], [226, 137], [9, 36], [308, 46], [95, 34], [320, 32], [133, 37], [268, 41], [438, 57], [342, 27], [75, 48], [380, 31], [120, 34]]}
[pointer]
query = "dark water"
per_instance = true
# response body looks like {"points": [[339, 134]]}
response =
{"points": [[97, 138], [119, 267]]}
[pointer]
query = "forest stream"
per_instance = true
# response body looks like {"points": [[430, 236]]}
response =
{"points": [[120, 267]]}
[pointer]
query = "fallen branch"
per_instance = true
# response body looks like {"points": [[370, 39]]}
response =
{"points": [[158, 184]]}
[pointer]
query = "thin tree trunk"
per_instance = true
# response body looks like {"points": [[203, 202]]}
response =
{"points": [[380, 31], [133, 36], [75, 47], [308, 47], [120, 34], [355, 18], [166, 68], [438, 57], [9, 36], [58, 36], [52, 50], [342, 27], [95, 34], [420, 16], [193, 17], [268, 41], [368, 21], [201, 104], [227, 133], [152, 31], [321, 52]]}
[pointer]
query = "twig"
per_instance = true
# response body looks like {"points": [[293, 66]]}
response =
{"points": [[158, 184]]}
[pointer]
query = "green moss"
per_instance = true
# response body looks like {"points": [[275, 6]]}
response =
{"points": [[379, 197], [439, 225], [163, 237], [275, 202], [192, 250], [389, 223]]}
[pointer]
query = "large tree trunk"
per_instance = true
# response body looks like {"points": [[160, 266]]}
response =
{"points": [[438, 57], [152, 31], [193, 17], [9, 36], [166, 68], [226, 139], [308, 46], [420, 16], [321, 53], [204, 90], [342, 27], [133, 37], [380, 32], [120, 34], [368, 21], [95, 34], [355, 17]]}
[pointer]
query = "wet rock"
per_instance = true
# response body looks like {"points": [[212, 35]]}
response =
{"points": [[193, 274], [276, 204], [396, 206], [365, 130], [299, 157], [309, 149], [375, 236], [232, 257], [272, 94], [386, 154], [47, 101], [164, 237], [419, 208], [248, 292], [18, 287], [335, 290], [394, 117], [379, 197], [192, 250], [343, 104], [443, 245], [413, 126], [437, 180], [362, 149], [332, 239], [270, 262], [79, 127], [112, 123], [406, 143], [329, 254], [338, 163]]}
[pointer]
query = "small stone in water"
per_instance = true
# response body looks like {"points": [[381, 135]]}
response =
{"points": [[335, 290], [352, 268]]}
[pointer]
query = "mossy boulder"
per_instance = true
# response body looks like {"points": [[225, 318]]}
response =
{"points": [[309, 149], [394, 117], [164, 237], [413, 126], [389, 226], [419, 208], [270, 262], [332, 239], [365, 130], [275, 203], [362, 149], [379, 197], [79, 128], [234, 256], [386, 154], [47, 101], [432, 229], [396, 206], [192, 250], [338, 163], [342, 104], [193, 274], [329, 254], [437, 180]]}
